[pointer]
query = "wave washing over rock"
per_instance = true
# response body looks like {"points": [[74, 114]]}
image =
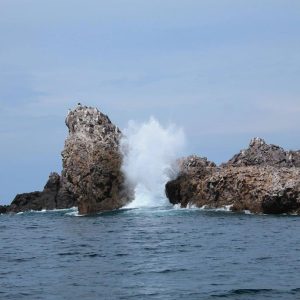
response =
{"points": [[150, 151], [104, 169]]}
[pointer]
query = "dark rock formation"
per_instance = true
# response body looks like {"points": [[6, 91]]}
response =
{"points": [[261, 179], [193, 169], [92, 161], [52, 197], [4, 209]]}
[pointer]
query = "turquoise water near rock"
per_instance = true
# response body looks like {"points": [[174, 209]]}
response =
{"points": [[149, 253]]}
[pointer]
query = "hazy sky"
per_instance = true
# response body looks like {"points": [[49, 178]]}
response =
{"points": [[225, 70]]}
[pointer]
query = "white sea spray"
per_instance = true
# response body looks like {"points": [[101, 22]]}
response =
{"points": [[150, 151]]}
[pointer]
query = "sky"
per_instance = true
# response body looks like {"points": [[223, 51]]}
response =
{"points": [[224, 70]]}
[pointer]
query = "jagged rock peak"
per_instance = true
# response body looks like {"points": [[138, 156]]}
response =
{"points": [[53, 181], [89, 123], [257, 142], [263, 154]]}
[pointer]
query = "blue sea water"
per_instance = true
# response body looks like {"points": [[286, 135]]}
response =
{"points": [[153, 253]]}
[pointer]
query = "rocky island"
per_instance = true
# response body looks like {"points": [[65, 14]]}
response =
{"points": [[92, 161], [91, 177], [261, 179]]}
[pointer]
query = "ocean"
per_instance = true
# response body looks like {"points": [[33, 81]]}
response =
{"points": [[149, 253]]}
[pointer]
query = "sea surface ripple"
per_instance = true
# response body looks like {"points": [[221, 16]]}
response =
{"points": [[154, 253]]}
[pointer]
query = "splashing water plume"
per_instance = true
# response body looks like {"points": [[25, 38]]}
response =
{"points": [[150, 152]]}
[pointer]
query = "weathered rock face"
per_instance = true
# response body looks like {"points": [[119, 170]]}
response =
{"points": [[92, 161], [91, 178], [253, 180], [52, 197], [193, 169], [260, 153], [196, 166]]}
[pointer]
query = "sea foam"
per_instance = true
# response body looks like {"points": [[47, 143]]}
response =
{"points": [[150, 151]]}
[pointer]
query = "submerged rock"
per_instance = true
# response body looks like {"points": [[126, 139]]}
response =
{"points": [[261, 179], [52, 197], [92, 161]]}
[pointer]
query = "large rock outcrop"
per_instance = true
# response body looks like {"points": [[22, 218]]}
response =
{"points": [[92, 161], [259, 153], [91, 177], [262, 179], [54, 196]]}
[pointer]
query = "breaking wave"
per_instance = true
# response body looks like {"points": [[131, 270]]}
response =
{"points": [[150, 151]]}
